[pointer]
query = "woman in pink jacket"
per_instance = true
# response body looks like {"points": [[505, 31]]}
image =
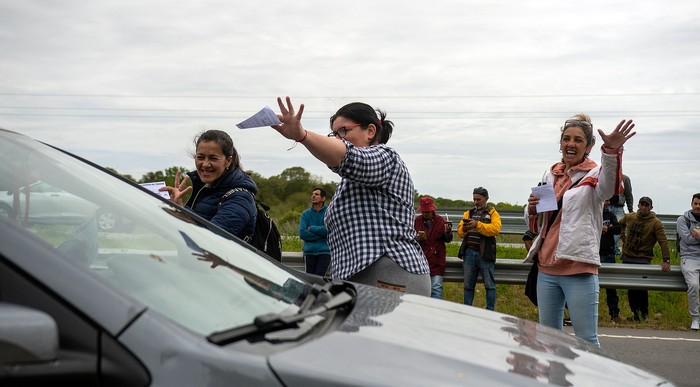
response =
{"points": [[567, 247]]}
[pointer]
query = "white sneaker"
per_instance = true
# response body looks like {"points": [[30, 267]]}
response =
{"points": [[695, 325]]}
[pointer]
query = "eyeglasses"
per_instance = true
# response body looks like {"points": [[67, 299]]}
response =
{"points": [[580, 123], [342, 131]]}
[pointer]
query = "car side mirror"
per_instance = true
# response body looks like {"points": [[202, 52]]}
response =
{"points": [[24, 342]]}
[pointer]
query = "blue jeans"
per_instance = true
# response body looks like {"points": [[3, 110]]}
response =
{"points": [[619, 211], [580, 292], [473, 265], [611, 294], [436, 286], [317, 264]]}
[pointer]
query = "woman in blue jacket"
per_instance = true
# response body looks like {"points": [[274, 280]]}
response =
{"points": [[217, 170]]}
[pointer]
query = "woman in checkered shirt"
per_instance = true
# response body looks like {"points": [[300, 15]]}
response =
{"points": [[370, 218]]}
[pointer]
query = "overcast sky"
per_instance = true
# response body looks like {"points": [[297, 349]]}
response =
{"points": [[477, 90]]}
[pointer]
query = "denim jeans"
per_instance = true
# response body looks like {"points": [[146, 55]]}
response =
{"points": [[580, 292], [619, 211], [612, 299], [473, 265], [436, 286]]}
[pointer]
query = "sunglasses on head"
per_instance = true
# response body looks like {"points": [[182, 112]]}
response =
{"points": [[580, 123]]}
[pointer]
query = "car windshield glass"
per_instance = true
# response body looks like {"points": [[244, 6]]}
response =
{"points": [[160, 254]]}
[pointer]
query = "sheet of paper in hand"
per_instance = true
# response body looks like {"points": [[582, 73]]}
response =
{"points": [[265, 117], [548, 199], [154, 186]]}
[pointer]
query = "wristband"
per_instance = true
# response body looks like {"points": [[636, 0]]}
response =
{"points": [[306, 133]]}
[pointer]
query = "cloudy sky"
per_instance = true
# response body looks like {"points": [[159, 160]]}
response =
{"points": [[477, 90]]}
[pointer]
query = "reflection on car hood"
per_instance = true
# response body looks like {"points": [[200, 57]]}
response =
{"points": [[458, 345]]}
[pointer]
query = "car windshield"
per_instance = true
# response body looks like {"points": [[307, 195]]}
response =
{"points": [[162, 255]]}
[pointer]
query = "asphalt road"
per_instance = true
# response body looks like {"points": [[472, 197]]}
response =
{"points": [[674, 355]]}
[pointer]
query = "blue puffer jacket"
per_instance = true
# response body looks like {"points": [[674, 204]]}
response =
{"points": [[237, 214]]}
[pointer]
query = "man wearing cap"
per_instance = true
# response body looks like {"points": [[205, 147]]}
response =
{"points": [[479, 228], [640, 231], [432, 234]]}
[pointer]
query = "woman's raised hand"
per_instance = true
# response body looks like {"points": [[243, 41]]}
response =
{"points": [[179, 190], [619, 136], [290, 127]]}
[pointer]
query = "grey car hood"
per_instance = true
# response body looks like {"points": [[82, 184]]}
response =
{"points": [[388, 334]]}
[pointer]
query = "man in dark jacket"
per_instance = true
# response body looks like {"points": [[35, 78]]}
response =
{"points": [[618, 202], [611, 228], [432, 234], [641, 231]]}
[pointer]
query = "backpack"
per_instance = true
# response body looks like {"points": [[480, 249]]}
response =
{"points": [[678, 238], [266, 236]]}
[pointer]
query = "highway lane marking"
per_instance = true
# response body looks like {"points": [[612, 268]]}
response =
{"points": [[648, 337]]}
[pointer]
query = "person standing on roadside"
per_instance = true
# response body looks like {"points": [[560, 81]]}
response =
{"points": [[641, 231], [611, 228], [218, 170], [479, 229], [317, 256], [432, 234], [370, 218], [618, 202], [688, 229], [567, 250]]}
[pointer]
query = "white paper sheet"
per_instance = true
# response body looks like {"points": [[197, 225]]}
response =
{"points": [[265, 117], [153, 187], [548, 199]]}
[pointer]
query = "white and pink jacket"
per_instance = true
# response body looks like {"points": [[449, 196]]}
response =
{"points": [[582, 210]]}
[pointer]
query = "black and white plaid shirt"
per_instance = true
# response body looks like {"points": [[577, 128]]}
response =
{"points": [[371, 213]]}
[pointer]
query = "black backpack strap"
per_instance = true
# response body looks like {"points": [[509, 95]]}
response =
{"points": [[228, 194], [232, 191]]}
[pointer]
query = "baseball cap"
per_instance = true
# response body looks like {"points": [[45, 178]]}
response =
{"points": [[481, 191]]}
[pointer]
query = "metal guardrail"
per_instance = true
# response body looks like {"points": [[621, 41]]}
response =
{"points": [[514, 223], [514, 272]]}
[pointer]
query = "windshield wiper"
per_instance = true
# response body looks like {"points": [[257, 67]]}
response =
{"points": [[273, 322]]}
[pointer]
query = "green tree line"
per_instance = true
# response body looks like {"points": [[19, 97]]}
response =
{"points": [[288, 193]]}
